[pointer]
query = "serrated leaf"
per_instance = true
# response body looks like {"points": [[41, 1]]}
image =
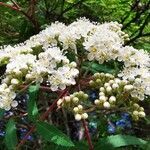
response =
{"points": [[11, 136], [116, 141], [52, 134], [32, 106]]}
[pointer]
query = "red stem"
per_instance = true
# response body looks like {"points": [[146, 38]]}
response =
{"points": [[43, 117], [10, 6], [87, 134]]}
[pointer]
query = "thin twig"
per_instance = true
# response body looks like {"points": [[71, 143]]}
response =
{"points": [[9, 6]]}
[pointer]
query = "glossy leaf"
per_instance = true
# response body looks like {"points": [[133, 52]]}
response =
{"points": [[116, 141], [11, 136], [52, 134], [32, 106]]}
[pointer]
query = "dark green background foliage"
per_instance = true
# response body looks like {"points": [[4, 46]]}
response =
{"points": [[18, 26]]}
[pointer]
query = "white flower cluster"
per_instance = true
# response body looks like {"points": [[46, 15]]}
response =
{"points": [[51, 64], [45, 55]]}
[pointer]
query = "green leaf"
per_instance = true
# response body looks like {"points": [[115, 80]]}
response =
{"points": [[52, 134], [95, 67], [11, 136], [70, 1], [116, 141], [32, 107], [1, 113]]}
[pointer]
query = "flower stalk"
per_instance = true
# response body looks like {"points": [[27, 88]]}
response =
{"points": [[87, 135]]}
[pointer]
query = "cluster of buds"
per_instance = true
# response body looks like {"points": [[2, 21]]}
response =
{"points": [[73, 103], [115, 92], [138, 112]]}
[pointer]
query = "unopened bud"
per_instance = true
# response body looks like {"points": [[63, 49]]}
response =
{"points": [[112, 99], [14, 81], [102, 89], [97, 102], [76, 109], [80, 107], [106, 105], [78, 117], [84, 116], [67, 99], [115, 86], [108, 89], [75, 100], [142, 114]]}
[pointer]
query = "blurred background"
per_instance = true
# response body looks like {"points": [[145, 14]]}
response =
{"points": [[35, 15]]}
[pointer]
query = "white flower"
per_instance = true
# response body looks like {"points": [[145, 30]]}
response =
{"points": [[62, 77]]}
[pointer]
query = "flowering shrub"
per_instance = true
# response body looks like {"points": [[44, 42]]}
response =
{"points": [[65, 57]]}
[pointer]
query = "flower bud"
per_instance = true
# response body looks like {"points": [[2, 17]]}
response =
{"points": [[84, 116], [135, 113], [112, 99], [75, 94], [66, 61], [76, 109], [91, 83], [78, 117], [75, 100], [136, 106], [117, 80], [67, 99], [81, 93], [97, 102], [59, 102], [28, 76], [111, 81], [98, 81], [97, 75], [85, 96], [102, 74], [128, 87], [115, 86], [102, 89], [14, 103], [124, 82], [138, 80], [80, 107], [101, 94], [106, 105], [108, 89], [73, 64], [109, 75], [102, 98], [14, 81], [141, 109], [106, 84], [142, 114]]}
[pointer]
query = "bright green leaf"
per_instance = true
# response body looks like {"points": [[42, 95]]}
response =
{"points": [[116, 141], [11, 136], [70, 1], [32, 107], [52, 134]]}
